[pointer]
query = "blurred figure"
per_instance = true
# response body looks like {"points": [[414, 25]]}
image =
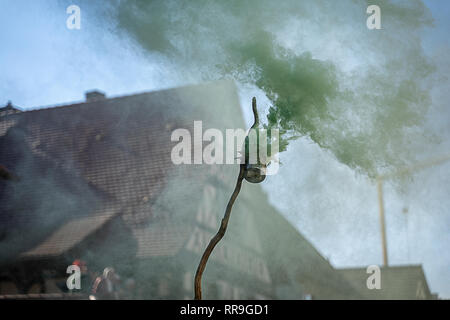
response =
{"points": [[87, 277], [106, 287]]}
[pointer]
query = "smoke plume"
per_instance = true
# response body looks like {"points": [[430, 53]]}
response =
{"points": [[360, 93]]}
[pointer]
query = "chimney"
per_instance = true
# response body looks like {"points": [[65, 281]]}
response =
{"points": [[8, 109], [9, 106], [94, 95]]}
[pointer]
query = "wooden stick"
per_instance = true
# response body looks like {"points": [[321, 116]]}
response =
{"points": [[219, 235], [224, 224]]}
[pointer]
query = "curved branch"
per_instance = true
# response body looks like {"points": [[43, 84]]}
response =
{"points": [[224, 224], [255, 114], [215, 240]]}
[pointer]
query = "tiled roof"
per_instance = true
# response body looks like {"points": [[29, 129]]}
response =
{"points": [[8, 109], [80, 165], [68, 235]]}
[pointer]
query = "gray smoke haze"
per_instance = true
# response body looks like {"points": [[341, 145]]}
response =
{"points": [[321, 74], [362, 101], [43, 197]]}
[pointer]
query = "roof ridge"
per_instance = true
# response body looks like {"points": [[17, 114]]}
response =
{"points": [[124, 96]]}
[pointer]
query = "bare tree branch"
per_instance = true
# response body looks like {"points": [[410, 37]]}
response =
{"points": [[215, 240], [224, 224]]}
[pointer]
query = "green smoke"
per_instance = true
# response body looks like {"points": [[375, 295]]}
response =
{"points": [[359, 93]]}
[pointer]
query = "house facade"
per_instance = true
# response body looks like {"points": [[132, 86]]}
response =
{"points": [[94, 181]]}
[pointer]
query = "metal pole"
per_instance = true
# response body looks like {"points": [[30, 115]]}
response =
{"points": [[412, 169], [382, 222]]}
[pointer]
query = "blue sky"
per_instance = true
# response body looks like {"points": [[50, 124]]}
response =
{"points": [[43, 63], [441, 13]]}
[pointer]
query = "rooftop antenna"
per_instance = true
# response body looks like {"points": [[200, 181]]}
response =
{"points": [[381, 178]]}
